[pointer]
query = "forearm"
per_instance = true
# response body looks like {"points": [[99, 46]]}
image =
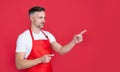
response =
{"points": [[23, 64], [66, 48]]}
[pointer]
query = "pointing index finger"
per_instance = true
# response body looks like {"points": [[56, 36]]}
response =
{"points": [[83, 31]]}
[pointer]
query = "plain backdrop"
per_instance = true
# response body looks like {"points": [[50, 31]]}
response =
{"points": [[99, 52]]}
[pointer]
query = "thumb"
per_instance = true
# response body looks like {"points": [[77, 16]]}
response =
{"points": [[50, 55]]}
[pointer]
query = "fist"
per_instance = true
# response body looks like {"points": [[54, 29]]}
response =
{"points": [[47, 58], [79, 37]]}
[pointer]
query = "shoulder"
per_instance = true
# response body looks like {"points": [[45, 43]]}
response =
{"points": [[24, 35], [22, 41]]}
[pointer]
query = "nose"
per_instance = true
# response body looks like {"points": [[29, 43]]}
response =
{"points": [[43, 20]]}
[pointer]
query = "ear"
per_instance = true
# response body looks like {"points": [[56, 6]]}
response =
{"points": [[31, 18]]}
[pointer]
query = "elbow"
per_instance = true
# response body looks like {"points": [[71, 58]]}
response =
{"points": [[19, 66], [62, 52]]}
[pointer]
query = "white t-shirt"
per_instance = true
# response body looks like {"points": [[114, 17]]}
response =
{"points": [[24, 41]]}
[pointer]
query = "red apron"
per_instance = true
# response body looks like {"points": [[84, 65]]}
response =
{"points": [[40, 48]]}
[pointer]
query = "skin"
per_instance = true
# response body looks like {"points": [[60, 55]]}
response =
{"points": [[37, 22]]}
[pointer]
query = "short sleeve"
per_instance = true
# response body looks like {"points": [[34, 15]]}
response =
{"points": [[20, 44], [51, 37]]}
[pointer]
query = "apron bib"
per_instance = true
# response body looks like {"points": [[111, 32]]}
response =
{"points": [[40, 48]]}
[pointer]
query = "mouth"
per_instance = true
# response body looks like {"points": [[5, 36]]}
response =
{"points": [[42, 24]]}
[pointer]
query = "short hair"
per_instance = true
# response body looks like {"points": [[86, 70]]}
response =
{"points": [[36, 9]]}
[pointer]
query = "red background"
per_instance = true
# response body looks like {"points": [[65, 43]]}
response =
{"points": [[99, 52]]}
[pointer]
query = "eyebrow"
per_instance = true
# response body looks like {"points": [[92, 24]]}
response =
{"points": [[42, 17]]}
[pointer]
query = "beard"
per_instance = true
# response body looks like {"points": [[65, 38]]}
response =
{"points": [[41, 25]]}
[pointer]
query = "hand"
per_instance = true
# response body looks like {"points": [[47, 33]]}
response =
{"points": [[46, 58], [78, 38]]}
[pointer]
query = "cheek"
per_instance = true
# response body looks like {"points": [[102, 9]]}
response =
{"points": [[38, 21], [33, 20]]}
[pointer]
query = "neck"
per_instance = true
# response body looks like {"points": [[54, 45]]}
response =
{"points": [[35, 29]]}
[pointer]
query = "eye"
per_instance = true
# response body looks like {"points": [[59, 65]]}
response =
{"points": [[44, 17], [40, 17]]}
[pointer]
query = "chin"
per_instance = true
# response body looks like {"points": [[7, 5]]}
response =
{"points": [[41, 27]]}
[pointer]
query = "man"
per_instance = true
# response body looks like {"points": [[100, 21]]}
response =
{"points": [[33, 48]]}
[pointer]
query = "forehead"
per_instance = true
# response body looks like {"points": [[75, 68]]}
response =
{"points": [[41, 13]]}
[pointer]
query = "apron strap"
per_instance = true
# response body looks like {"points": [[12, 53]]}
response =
{"points": [[41, 31], [45, 35], [31, 34]]}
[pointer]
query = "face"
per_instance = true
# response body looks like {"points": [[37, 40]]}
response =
{"points": [[38, 19]]}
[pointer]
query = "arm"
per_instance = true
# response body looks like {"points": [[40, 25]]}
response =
{"points": [[66, 48], [22, 63]]}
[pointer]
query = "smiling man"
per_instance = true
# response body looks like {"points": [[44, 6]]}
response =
{"points": [[34, 46]]}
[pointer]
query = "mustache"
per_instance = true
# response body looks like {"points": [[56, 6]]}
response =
{"points": [[42, 23]]}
